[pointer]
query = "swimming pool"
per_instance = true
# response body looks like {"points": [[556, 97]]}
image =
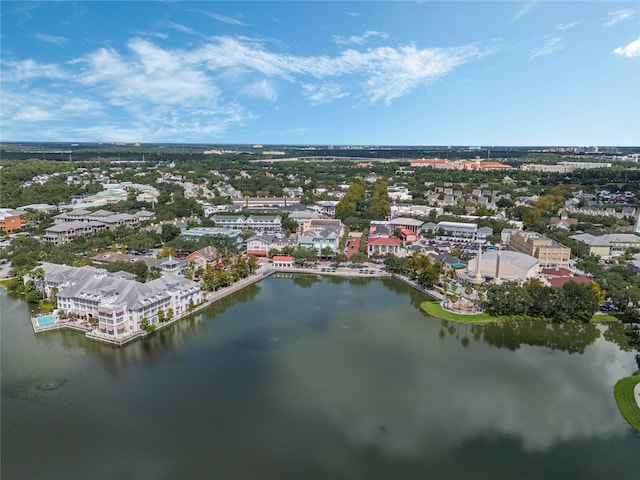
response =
{"points": [[46, 320]]}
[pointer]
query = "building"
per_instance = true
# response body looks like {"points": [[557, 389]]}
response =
{"points": [[548, 252], [610, 245], [536, 167], [432, 162], [283, 261], [459, 231], [119, 304], [504, 265], [404, 223], [82, 223], [197, 233], [382, 245], [265, 202], [260, 245], [11, 219], [203, 257], [253, 222]]}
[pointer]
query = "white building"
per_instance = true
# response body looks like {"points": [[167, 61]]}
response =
{"points": [[119, 304]]}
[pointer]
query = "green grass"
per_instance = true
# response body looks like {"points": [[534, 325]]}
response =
{"points": [[604, 318], [623, 391], [434, 309], [5, 283]]}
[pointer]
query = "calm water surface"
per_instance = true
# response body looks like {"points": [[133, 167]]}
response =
{"points": [[315, 378]]}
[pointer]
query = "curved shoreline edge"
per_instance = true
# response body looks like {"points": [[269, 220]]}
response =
{"points": [[434, 309], [627, 394]]}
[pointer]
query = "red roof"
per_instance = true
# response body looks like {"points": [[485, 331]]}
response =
{"points": [[556, 272], [283, 258], [560, 281], [384, 241]]}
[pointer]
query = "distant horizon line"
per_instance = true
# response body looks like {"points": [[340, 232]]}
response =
{"points": [[335, 146]]}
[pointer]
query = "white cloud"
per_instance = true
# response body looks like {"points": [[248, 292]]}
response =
{"points": [[261, 89], [566, 26], [619, 16], [630, 50], [359, 39], [552, 44], [323, 93], [182, 92], [224, 19], [180, 28], [18, 71], [53, 39], [524, 10]]}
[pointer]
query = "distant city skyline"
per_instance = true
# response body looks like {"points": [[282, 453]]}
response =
{"points": [[343, 73]]}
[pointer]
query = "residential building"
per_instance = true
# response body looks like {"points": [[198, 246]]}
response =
{"points": [[548, 252], [459, 231], [265, 202], [197, 233], [82, 223], [260, 245], [203, 257], [610, 245], [253, 222], [119, 304]]}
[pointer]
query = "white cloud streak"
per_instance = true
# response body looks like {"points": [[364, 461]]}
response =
{"points": [[630, 50], [359, 39], [224, 19], [566, 26], [552, 44], [53, 39], [522, 11], [619, 16]]}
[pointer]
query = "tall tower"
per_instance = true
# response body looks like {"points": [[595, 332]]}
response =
{"points": [[478, 275], [497, 277]]}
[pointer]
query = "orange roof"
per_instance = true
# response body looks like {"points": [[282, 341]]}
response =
{"points": [[283, 258], [430, 160]]}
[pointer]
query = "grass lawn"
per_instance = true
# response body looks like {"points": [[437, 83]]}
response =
{"points": [[5, 283], [435, 309], [623, 391], [604, 318]]}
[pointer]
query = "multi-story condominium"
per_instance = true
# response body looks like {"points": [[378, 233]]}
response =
{"points": [[608, 246], [548, 252], [260, 245], [265, 202], [459, 230], [253, 222], [82, 223], [118, 303], [61, 233], [199, 232]]}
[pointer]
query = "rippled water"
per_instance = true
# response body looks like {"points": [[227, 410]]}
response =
{"points": [[309, 377]]}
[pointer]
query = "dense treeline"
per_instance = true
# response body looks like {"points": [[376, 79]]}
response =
{"points": [[357, 207], [571, 302]]}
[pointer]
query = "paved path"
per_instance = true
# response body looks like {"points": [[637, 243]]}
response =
{"points": [[636, 394]]}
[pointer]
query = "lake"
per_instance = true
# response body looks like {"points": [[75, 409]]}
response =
{"points": [[309, 377]]}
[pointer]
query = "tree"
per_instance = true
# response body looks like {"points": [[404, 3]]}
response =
{"points": [[508, 298], [169, 232]]}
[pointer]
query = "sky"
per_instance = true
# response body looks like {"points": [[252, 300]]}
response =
{"points": [[322, 73]]}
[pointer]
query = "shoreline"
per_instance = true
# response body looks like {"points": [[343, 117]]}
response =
{"points": [[210, 298]]}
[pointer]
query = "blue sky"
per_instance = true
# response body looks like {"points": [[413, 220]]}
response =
{"points": [[374, 73]]}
